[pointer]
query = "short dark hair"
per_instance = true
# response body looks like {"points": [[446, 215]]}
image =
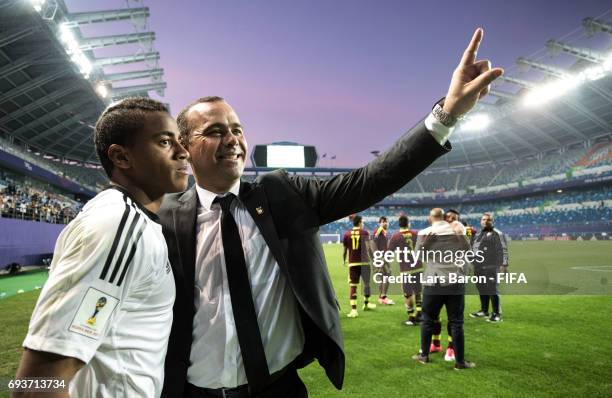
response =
{"points": [[382, 219], [118, 123], [182, 121], [403, 221], [356, 220], [453, 211]]}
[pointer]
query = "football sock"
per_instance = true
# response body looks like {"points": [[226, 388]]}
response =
{"points": [[437, 329], [410, 311], [353, 296], [495, 303], [484, 302]]}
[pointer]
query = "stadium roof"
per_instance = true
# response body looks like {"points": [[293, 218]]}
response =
{"points": [[52, 87], [556, 98]]}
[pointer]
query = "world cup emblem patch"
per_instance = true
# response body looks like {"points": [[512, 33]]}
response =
{"points": [[93, 314], [99, 305]]}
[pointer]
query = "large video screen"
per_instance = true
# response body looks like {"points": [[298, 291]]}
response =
{"points": [[286, 156]]}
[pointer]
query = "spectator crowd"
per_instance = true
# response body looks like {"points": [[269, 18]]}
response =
{"points": [[35, 204]]}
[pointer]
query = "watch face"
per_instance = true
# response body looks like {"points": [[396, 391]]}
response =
{"points": [[443, 117]]}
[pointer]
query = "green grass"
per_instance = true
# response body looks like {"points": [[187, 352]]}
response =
{"points": [[548, 346], [27, 281], [15, 315]]}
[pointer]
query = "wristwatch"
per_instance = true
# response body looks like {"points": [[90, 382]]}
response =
{"points": [[443, 117]]}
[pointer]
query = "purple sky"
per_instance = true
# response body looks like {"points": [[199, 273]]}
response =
{"points": [[346, 76]]}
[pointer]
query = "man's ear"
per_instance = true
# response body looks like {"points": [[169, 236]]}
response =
{"points": [[120, 156]]}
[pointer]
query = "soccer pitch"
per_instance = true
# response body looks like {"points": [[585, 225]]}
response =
{"points": [[548, 345]]}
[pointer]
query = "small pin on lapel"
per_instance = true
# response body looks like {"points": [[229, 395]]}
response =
{"points": [[259, 210]]}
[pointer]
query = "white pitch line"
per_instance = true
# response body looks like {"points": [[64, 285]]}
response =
{"points": [[597, 268]]}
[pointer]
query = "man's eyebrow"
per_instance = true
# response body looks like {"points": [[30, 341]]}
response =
{"points": [[222, 125]]}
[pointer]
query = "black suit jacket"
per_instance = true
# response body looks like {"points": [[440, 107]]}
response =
{"points": [[288, 211]]}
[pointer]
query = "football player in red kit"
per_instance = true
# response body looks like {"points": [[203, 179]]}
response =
{"points": [[406, 238], [381, 242], [358, 250]]}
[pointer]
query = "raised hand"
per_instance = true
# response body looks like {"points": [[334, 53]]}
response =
{"points": [[471, 79]]}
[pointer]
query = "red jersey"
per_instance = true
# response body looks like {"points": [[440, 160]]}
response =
{"points": [[356, 242], [405, 238]]}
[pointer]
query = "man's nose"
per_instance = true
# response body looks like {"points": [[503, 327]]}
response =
{"points": [[230, 139], [181, 152]]}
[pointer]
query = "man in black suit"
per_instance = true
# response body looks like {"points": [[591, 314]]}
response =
{"points": [[254, 298]]}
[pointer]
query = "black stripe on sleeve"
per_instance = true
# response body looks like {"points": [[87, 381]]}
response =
{"points": [[131, 255], [111, 254], [126, 242]]}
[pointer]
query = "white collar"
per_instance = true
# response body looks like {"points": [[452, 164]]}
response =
{"points": [[206, 197]]}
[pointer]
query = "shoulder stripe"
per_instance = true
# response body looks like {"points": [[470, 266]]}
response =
{"points": [[131, 255], [125, 245], [111, 254]]}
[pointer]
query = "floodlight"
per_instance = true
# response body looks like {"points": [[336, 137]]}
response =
{"points": [[478, 121], [102, 90], [37, 4]]}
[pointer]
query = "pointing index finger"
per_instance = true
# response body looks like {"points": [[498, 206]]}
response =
{"points": [[469, 55]]}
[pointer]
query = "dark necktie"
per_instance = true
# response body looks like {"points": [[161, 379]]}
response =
{"points": [[245, 317]]}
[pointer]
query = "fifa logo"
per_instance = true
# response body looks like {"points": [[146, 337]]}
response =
{"points": [[99, 305]]}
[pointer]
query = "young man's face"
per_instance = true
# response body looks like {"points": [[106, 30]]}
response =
{"points": [[450, 217], [384, 224], [159, 161], [217, 146]]}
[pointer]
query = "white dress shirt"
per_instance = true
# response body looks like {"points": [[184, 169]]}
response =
{"points": [[439, 131], [216, 360]]}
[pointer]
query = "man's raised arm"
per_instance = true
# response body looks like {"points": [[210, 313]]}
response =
{"points": [[412, 153]]}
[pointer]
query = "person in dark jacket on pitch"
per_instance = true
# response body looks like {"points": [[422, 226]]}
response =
{"points": [[492, 242]]}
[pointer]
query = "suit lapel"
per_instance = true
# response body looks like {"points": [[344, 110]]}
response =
{"points": [[185, 214], [255, 200], [184, 224]]}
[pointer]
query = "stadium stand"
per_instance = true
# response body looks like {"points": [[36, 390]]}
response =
{"points": [[28, 199], [494, 174], [584, 211], [86, 174], [89, 176], [598, 155]]}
